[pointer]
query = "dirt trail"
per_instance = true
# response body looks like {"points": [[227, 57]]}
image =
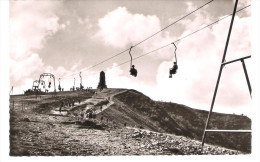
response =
{"points": [[109, 95], [101, 96]]}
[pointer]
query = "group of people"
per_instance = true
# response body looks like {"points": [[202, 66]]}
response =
{"points": [[68, 103]]}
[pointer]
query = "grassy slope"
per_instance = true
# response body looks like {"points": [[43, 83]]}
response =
{"points": [[136, 109]]}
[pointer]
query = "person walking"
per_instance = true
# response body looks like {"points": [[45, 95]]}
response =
{"points": [[61, 105]]}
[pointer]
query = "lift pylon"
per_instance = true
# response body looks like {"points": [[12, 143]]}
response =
{"points": [[223, 63], [50, 75]]}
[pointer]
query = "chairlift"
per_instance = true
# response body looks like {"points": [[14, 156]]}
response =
{"points": [[132, 71], [173, 70], [42, 82]]}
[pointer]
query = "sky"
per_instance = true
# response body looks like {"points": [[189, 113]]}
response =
{"points": [[68, 37]]}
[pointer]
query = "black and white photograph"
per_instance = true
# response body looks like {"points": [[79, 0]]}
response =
{"points": [[130, 78]]}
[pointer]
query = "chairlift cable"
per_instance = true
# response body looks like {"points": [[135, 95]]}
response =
{"points": [[173, 23], [144, 39], [211, 23], [172, 42], [144, 54], [182, 37]]}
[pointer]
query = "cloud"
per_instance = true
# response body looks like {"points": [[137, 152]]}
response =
{"points": [[31, 24], [196, 20], [24, 69], [120, 28], [241, 4], [24, 72]]}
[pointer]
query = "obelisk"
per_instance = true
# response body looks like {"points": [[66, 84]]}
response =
{"points": [[102, 81]]}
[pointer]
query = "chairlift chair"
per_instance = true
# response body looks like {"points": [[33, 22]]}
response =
{"points": [[132, 71], [173, 70]]}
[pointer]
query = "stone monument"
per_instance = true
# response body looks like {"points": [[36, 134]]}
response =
{"points": [[102, 81]]}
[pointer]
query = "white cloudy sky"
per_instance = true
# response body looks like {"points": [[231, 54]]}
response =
{"points": [[66, 37]]}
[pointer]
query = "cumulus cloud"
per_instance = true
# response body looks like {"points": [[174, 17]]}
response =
{"points": [[31, 23], [24, 68], [241, 4], [120, 27], [196, 20]]}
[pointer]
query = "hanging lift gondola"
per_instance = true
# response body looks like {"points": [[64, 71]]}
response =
{"points": [[173, 70], [133, 71]]}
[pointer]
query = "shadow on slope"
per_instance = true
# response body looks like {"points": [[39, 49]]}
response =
{"points": [[137, 110]]}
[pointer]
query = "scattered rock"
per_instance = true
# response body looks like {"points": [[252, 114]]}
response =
{"points": [[26, 120]]}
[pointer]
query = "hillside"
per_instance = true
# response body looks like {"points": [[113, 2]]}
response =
{"points": [[132, 124], [136, 109]]}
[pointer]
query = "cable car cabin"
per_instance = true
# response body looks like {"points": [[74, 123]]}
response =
{"points": [[133, 71], [173, 70]]}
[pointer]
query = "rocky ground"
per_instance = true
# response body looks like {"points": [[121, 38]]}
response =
{"points": [[41, 134], [54, 134]]}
